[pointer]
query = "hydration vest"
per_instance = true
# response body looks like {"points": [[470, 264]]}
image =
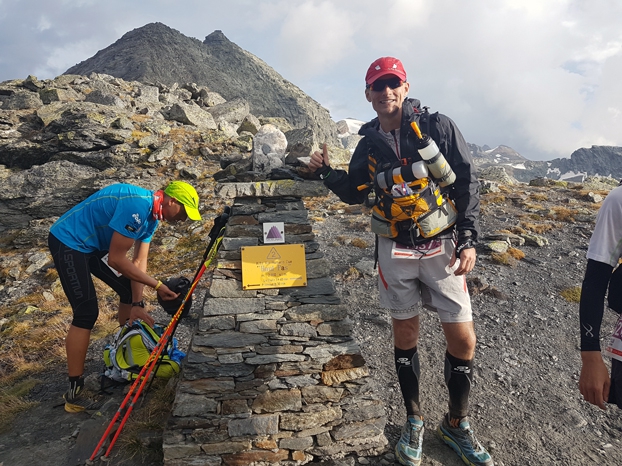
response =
{"points": [[408, 198]]}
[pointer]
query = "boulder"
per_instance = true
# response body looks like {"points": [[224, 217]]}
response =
{"points": [[99, 160], [104, 98], [162, 153], [210, 98], [232, 112], [20, 100], [32, 83], [279, 122], [250, 123], [54, 94], [147, 95], [269, 147], [300, 143], [191, 114], [44, 191]]}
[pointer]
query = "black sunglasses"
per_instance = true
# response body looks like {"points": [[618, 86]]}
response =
{"points": [[380, 84]]}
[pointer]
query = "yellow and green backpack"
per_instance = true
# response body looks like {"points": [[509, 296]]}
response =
{"points": [[130, 349]]}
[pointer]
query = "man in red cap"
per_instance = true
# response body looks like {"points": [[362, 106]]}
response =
{"points": [[94, 238], [414, 267]]}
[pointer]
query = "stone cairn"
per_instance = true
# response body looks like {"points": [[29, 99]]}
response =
{"points": [[272, 376]]}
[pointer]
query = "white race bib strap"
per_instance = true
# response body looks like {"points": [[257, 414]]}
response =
{"points": [[426, 250], [105, 261]]}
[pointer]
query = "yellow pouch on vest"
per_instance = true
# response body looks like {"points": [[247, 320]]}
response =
{"points": [[429, 210]]}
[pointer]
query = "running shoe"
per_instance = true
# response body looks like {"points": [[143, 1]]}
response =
{"points": [[77, 399], [462, 440], [408, 448]]}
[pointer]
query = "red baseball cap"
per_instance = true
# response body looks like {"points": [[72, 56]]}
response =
{"points": [[384, 66]]}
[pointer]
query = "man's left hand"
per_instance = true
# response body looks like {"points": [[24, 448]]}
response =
{"points": [[467, 261], [141, 313]]}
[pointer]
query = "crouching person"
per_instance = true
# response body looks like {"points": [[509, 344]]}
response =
{"points": [[94, 238]]}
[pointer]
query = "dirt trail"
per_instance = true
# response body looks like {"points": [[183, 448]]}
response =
{"points": [[526, 406]]}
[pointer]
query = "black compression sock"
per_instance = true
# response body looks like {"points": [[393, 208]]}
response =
{"points": [[459, 378], [408, 372]]}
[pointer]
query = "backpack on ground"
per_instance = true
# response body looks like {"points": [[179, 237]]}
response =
{"points": [[131, 348]]}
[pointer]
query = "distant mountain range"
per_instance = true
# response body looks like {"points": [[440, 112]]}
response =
{"points": [[597, 160]]}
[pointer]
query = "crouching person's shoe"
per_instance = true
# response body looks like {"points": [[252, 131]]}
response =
{"points": [[408, 448], [462, 440], [77, 399]]}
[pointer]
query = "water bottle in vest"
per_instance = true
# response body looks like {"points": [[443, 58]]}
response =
{"points": [[434, 159], [404, 173]]}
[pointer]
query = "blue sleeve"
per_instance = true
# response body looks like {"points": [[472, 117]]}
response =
{"points": [[130, 219]]}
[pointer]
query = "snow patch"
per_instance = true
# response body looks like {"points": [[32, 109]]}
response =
{"points": [[572, 176], [351, 125]]}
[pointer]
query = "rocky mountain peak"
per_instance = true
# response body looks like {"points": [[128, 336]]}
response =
{"points": [[216, 38], [156, 53]]}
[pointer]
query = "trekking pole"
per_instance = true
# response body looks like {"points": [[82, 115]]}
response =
{"points": [[216, 235], [217, 230]]}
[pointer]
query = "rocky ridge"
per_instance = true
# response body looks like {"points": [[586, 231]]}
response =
{"points": [[156, 53], [594, 161], [62, 139]]}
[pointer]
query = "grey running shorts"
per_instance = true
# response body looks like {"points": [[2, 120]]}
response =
{"points": [[403, 282]]}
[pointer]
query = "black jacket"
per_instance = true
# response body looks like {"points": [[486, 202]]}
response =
{"points": [[464, 192]]}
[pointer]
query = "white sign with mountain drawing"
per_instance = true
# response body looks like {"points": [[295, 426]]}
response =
{"points": [[273, 232]]}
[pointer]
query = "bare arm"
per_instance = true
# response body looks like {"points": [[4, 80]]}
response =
{"points": [[139, 259], [117, 258]]}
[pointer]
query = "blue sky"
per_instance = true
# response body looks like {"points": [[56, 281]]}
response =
{"points": [[540, 76]]}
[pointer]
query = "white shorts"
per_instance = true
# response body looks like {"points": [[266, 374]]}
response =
{"points": [[403, 280]]}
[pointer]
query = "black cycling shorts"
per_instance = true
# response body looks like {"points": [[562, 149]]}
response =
{"points": [[74, 270]]}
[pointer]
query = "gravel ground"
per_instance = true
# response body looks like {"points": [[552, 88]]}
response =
{"points": [[526, 407]]}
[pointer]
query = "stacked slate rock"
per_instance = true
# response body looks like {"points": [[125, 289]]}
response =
{"points": [[273, 376]]}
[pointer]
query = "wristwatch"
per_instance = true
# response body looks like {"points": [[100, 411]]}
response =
{"points": [[140, 303]]}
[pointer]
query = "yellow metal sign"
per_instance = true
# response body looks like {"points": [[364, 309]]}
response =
{"points": [[274, 266]]}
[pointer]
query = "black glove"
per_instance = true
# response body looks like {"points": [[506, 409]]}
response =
{"points": [[324, 171], [465, 241]]}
